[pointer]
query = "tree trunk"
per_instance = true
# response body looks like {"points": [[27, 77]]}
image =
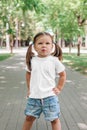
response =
{"points": [[78, 50], [16, 28], [11, 43], [56, 36], [59, 42], [70, 46], [86, 34], [78, 45], [7, 38], [86, 41], [1, 44]]}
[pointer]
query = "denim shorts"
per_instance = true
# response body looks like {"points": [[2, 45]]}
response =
{"points": [[48, 106]]}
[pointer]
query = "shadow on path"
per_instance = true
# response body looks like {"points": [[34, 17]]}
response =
{"points": [[73, 98]]}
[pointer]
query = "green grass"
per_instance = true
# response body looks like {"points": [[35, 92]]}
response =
{"points": [[79, 63], [4, 56]]}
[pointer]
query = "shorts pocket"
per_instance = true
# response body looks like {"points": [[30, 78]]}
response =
{"points": [[54, 105], [31, 103], [53, 108]]}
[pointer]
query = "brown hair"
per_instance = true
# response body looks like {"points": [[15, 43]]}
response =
{"points": [[30, 54]]}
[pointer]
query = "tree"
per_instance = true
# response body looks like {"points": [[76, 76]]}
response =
{"points": [[16, 16], [63, 16]]}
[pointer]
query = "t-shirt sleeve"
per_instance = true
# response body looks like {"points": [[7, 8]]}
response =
{"points": [[59, 66], [26, 68]]}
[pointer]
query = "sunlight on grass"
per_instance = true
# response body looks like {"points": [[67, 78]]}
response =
{"points": [[79, 63], [66, 60], [4, 56]]}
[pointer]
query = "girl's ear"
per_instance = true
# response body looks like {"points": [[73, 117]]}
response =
{"points": [[34, 51], [53, 48]]}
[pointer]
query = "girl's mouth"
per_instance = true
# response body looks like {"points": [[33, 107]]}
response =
{"points": [[44, 49]]}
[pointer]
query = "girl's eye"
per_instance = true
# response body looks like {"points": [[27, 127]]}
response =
{"points": [[47, 43], [40, 43]]}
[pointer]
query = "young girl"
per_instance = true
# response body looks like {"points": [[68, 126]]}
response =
{"points": [[42, 69]]}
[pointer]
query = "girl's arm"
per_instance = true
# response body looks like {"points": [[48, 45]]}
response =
{"points": [[28, 76], [61, 82]]}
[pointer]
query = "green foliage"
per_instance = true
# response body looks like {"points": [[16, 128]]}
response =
{"points": [[59, 15], [32, 5], [63, 17], [24, 11], [10, 31]]}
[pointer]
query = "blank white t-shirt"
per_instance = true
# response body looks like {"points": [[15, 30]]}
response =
{"points": [[43, 74]]}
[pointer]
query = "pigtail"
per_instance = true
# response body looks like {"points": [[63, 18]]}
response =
{"points": [[29, 56], [60, 56], [57, 52]]}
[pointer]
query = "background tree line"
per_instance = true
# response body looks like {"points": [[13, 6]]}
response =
{"points": [[21, 19]]}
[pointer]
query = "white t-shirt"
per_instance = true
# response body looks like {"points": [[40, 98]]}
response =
{"points": [[43, 74]]}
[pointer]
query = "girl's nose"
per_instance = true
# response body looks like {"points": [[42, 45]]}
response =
{"points": [[44, 45]]}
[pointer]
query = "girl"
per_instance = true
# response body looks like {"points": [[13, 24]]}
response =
{"points": [[42, 69]]}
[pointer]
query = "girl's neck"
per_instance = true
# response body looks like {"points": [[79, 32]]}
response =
{"points": [[43, 56]]}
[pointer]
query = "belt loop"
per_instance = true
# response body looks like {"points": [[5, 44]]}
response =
{"points": [[42, 101]]}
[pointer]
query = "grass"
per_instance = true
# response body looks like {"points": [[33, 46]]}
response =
{"points": [[78, 63], [4, 56]]}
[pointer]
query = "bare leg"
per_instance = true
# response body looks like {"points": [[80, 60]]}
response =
{"points": [[28, 122], [56, 125]]}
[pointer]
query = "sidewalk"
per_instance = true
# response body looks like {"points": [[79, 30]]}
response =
{"points": [[15, 50], [23, 50], [73, 99]]}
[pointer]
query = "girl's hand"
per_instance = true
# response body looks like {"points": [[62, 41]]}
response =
{"points": [[28, 93], [56, 90]]}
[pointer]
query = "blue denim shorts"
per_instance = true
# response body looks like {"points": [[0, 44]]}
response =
{"points": [[48, 106]]}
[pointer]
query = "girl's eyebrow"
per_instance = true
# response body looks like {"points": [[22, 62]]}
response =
{"points": [[40, 43]]}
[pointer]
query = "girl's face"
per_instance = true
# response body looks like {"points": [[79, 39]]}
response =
{"points": [[43, 45]]}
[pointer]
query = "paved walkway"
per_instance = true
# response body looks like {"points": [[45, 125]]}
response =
{"points": [[23, 49], [73, 98]]}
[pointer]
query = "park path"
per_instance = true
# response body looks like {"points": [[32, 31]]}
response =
{"points": [[73, 99]]}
